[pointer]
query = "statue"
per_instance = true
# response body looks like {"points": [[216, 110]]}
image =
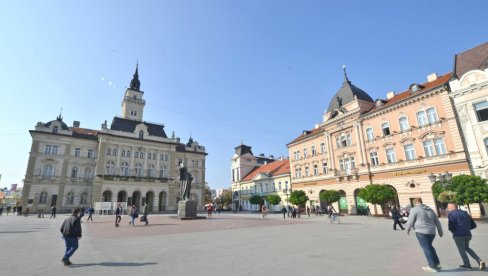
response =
{"points": [[185, 180]]}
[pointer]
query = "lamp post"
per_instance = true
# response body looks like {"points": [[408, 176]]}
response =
{"points": [[444, 180], [286, 191]]}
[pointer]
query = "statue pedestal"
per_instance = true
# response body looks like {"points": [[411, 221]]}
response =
{"points": [[187, 210]]}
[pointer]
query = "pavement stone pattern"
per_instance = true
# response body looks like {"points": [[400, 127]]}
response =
{"points": [[227, 244]]}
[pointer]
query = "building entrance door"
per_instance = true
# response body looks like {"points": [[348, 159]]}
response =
{"points": [[54, 199]]}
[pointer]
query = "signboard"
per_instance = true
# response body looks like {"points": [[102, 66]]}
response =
{"points": [[361, 202], [105, 206]]}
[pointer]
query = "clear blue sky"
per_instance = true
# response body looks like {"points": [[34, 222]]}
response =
{"points": [[226, 71]]}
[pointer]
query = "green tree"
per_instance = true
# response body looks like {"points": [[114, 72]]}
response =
{"points": [[298, 198], [256, 200], [469, 189], [208, 194], [378, 194], [273, 199], [330, 196], [447, 197], [225, 199]]}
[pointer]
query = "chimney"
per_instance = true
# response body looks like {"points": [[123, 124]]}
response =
{"points": [[432, 77], [390, 95], [76, 123]]}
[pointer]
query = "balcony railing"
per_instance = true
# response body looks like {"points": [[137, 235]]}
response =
{"points": [[135, 178]]}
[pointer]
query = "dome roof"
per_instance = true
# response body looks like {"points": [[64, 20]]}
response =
{"points": [[347, 94]]}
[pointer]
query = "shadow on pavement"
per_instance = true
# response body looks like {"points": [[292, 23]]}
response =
{"points": [[16, 232], [111, 264], [460, 270]]}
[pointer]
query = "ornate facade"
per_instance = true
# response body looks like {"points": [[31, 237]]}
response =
{"points": [[398, 141], [129, 161]]}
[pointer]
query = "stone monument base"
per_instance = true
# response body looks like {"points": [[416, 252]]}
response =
{"points": [[187, 210]]}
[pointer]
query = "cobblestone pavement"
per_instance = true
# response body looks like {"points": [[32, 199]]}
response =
{"points": [[226, 244]]}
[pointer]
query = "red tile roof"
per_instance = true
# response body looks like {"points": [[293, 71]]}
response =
{"points": [[271, 169], [406, 94], [84, 133], [308, 134]]}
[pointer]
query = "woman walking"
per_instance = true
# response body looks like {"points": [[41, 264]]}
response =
{"points": [[133, 214]]}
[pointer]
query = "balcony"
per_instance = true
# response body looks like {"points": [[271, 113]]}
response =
{"points": [[342, 175]]}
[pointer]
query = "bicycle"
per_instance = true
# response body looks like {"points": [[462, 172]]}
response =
{"points": [[334, 217]]}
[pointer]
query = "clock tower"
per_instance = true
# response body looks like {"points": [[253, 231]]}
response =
{"points": [[133, 104]]}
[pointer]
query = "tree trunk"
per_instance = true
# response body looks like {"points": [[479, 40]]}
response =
{"points": [[375, 210], [469, 210]]}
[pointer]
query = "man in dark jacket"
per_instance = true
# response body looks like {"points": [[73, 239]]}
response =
{"points": [[395, 216], [71, 230], [460, 224]]}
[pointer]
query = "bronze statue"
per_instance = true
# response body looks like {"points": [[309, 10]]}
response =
{"points": [[185, 180]]}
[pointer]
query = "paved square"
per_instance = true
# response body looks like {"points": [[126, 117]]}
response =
{"points": [[226, 244]]}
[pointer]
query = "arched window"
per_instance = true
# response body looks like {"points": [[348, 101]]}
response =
{"points": [[403, 121], [110, 168], [370, 134], [109, 151], [349, 139], [150, 171], [343, 141], [55, 129], [123, 153], [432, 115], [128, 153], [70, 198], [124, 169], [139, 169], [84, 198], [386, 129], [154, 156], [141, 134], [43, 198], [74, 172], [338, 142], [48, 170], [114, 152], [142, 155], [137, 154]]}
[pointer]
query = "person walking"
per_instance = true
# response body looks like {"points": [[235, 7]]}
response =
{"points": [[71, 230], [134, 213], [90, 214], [330, 210], [209, 210], [118, 215], [290, 211], [146, 213], [294, 213], [9, 208], [461, 224], [27, 211], [53, 212], [308, 211], [395, 216], [283, 210], [425, 222], [82, 212], [264, 211], [1, 210], [19, 210]]}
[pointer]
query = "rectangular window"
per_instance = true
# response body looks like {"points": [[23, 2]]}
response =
{"points": [[439, 146], [390, 156], [404, 124], [298, 155], [91, 154], [428, 148], [322, 148], [410, 152], [306, 171], [55, 150], [314, 151], [370, 134], [296, 173], [432, 115], [315, 170], [325, 170], [109, 151], [481, 111], [386, 129], [421, 118], [341, 164], [77, 152], [305, 153], [374, 158]]}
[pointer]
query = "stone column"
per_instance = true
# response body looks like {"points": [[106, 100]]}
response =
{"points": [[359, 141]]}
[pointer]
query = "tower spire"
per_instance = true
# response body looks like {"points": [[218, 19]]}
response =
{"points": [[345, 73], [135, 84]]}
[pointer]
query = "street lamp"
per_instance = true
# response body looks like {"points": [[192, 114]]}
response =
{"points": [[286, 190], [442, 178]]}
